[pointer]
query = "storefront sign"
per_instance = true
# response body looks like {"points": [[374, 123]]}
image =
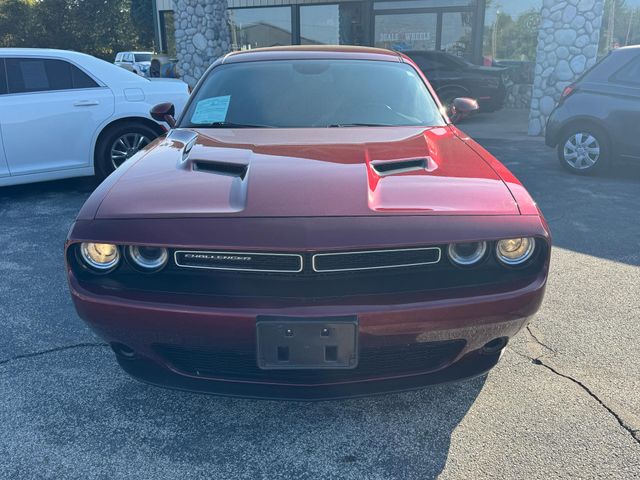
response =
{"points": [[405, 36]]}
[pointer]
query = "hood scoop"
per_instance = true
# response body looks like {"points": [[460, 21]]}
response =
{"points": [[384, 168], [183, 140], [237, 170]]}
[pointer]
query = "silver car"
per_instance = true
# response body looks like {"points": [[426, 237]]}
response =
{"points": [[136, 62]]}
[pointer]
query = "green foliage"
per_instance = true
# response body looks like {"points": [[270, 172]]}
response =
{"points": [[620, 25], [142, 16], [97, 27], [509, 39]]}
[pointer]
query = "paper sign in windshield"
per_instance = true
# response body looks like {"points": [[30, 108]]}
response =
{"points": [[211, 110]]}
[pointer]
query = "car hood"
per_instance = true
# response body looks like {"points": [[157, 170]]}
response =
{"points": [[307, 172]]}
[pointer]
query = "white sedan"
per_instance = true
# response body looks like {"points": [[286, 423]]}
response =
{"points": [[66, 114]]}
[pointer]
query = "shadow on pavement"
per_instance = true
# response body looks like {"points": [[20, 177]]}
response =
{"points": [[31, 190], [95, 412]]}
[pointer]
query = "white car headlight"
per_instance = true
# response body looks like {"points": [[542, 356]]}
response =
{"points": [[515, 251], [100, 256], [467, 254], [149, 259]]}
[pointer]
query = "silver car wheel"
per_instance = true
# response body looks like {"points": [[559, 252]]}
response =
{"points": [[582, 151], [126, 147]]}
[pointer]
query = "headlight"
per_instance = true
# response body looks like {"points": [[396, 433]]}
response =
{"points": [[149, 259], [467, 254], [515, 251], [100, 256]]}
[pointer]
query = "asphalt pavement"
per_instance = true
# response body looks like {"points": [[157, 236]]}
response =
{"points": [[564, 401]]}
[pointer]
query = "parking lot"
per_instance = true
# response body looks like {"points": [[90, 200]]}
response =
{"points": [[563, 402]]}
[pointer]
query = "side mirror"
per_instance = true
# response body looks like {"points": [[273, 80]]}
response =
{"points": [[164, 112], [463, 107]]}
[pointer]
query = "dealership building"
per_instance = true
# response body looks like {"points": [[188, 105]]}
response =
{"points": [[548, 42]]}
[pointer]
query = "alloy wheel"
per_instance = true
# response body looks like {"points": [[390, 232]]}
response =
{"points": [[582, 151], [126, 146]]}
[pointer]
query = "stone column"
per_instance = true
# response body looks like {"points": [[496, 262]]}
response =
{"points": [[202, 35], [567, 46]]}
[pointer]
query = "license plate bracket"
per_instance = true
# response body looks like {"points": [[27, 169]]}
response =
{"points": [[293, 343]]}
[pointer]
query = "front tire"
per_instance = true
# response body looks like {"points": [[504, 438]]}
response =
{"points": [[584, 150], [119, 144]]}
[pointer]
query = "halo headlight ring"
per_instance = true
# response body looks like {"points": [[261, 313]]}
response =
{"points": [[467, 254], [100, 258], [147, 259], [515, 252]]}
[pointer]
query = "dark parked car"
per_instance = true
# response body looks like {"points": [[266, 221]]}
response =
{"points": [[454, 77], [313, 227], [597, 118]]}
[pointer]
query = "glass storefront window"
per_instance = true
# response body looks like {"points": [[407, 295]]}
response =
{"points": [[319, 25], [406, 31], [620, 24], [338, 24], [457, 34], [402, 4], [167, 33], [260, 27], [511, 30]]}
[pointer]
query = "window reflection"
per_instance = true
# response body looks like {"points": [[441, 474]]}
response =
{"points": [[341, 24], [511, 30], [167, 33], [406, 31], [620, 25], [457, 30], [260, 27]]}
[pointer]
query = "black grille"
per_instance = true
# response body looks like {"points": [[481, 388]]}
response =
{"points": [[221, 168], [374, 362], [385, 168], [280, 277], [342, 262], [239, 261]]}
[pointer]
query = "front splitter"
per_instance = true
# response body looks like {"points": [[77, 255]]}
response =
{"points": [[147, 371]]}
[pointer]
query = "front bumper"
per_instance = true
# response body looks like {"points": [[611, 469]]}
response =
{"points": [[142, 322], [402, 323]]}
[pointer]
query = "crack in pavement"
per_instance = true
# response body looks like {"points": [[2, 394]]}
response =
{"points": [[51, 350], [635, 433], [538, 341], [623, 424]]}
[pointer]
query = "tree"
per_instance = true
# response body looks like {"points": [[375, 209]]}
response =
{"points": [[620, 25], [12, 31], [97, 27], [514, 39], [142, 16]]}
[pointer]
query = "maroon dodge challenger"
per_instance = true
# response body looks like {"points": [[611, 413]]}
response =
{"points": [[313, 226]]}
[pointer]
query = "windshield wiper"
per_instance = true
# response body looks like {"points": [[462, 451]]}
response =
{"points": [[342, 125], [234, 125]]}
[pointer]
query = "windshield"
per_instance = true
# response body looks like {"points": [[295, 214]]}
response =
{"points": [[143, 57], [312, 93]]}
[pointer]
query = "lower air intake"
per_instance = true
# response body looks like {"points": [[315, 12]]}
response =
{"points": [[375, 362]]}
